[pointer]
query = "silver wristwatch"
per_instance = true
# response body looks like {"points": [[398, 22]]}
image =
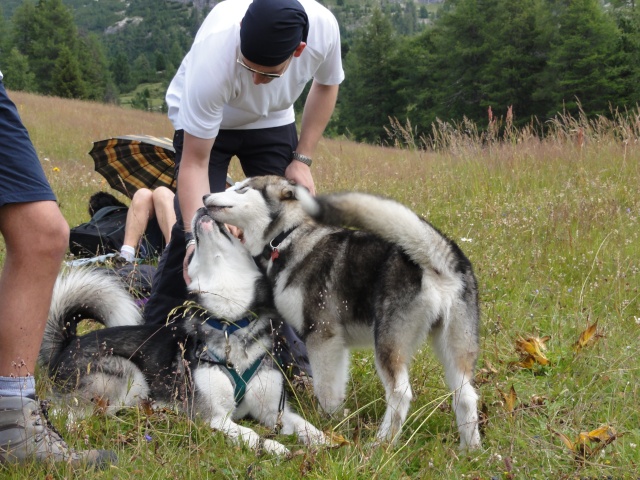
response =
{"points": [[302, 158]]}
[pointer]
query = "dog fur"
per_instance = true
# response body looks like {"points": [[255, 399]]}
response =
{"points": [[391, 283], [183, 362]]}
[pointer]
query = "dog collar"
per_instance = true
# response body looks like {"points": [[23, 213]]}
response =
{"points": [[227, 326], [275, 243]]}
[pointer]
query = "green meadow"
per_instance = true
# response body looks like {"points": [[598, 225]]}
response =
{"points": [[552, 227]]}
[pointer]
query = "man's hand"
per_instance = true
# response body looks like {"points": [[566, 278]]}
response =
{"points": [[301, 174]]}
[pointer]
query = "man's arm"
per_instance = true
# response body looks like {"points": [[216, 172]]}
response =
{"points": [[318, 109], [193, 181]]}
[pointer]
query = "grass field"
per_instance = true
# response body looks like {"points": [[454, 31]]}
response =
{"points": [[552, 228], [156, 95]]}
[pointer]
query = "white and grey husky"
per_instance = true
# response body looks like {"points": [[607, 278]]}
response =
{"points": [[217, 366], [391, 283]]}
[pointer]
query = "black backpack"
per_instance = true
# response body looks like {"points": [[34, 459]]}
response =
{"points": [[104, 233]]}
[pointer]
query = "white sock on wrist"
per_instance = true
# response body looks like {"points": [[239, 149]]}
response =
{"points": [[128, 253]]}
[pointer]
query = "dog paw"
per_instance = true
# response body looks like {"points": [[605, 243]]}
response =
{"points": [[274, 448], [316, 438]]}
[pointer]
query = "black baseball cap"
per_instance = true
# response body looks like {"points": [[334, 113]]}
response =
{"points": [[271, 30]]}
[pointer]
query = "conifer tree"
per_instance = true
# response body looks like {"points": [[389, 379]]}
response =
{"points": [[66, 76], [366, 99], [93, 65], [15, 68], [583, 65], [461, 55], [49, 29], [626, 14], [516, 55]]}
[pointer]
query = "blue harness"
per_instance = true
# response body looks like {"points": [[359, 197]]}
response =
{"points": [[241, 380]]}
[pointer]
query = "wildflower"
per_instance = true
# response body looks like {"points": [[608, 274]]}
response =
{"points": [[148, 437], [465, 239], [56, 169]]}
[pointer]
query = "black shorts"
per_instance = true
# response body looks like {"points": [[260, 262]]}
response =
{"points": [[22, 177], [265, 151]]}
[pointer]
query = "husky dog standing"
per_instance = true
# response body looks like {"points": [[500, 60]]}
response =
{"points": [[220, 368], [390, 284]]}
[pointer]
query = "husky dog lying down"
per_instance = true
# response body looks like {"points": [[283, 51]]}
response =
{"points": [[389, 284], [217, 365]]}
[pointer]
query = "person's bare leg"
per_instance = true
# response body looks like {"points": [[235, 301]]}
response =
{"points": [[36, 236], [140, 211], [165, 213]]}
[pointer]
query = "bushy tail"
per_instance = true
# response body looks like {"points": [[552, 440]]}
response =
{"points": [[391, 221], [85, 293]]}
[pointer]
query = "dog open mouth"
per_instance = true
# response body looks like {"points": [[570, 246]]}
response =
{"points": [[203, 222], [202, 216], [217, 208]]}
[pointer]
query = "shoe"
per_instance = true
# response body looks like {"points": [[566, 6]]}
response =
{"points": [[26, 434]]}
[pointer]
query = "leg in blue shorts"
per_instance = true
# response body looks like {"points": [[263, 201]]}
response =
{"points": [[36, 236]]}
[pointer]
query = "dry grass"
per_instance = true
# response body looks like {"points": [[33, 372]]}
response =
{"points": [[552, 227]]}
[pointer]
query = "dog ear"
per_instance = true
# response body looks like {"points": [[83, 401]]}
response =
{"points": [[288, 192]]}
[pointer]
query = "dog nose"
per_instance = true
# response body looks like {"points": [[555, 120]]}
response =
{"points": [[204, 197]]}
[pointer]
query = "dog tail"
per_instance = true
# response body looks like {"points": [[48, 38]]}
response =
{"points": [[390, 220], [85, 293]]}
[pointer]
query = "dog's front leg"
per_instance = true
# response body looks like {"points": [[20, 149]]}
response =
{"points": [[239, 434], [266, 402], [305, 431], [216, 393]]}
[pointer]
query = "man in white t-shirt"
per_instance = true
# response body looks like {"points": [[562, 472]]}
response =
{"points": [[233, 95]]}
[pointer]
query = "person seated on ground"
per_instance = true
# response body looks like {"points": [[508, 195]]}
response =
{"points": [[151, 214], [145, 206]]}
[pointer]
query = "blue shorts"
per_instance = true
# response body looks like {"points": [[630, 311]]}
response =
{"points": [[22, 178]]}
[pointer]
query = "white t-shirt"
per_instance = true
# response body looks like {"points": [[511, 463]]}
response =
{"points": [[211, 90]]}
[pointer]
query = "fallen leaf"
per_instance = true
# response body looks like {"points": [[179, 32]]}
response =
{"points": [[101, 405], [510, 399], [336, 440], [307, 464], [534, 346], [147, 407], [585, 337], [568, 443], [603, 435], [538, 400], [528, 362], [589, 443]]}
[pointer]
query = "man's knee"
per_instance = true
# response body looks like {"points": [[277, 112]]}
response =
{"points": [[163, 196], [35, 229], [53, 238], [142, 196]]}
